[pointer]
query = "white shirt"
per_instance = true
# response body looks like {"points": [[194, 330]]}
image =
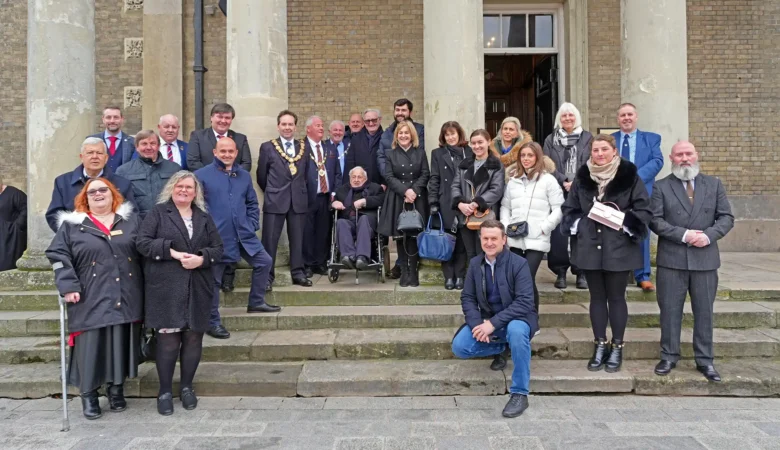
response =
{"points": [[317, 158], [98, 175], [291, 149], [217, 136], [174, 149]]}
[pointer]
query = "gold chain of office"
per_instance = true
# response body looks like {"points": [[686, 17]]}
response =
{"points": [[291, 160]]}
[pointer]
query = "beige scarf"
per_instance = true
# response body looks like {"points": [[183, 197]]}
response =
{"points": [[602, 175]]}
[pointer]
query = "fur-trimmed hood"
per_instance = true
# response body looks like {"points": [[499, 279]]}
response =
{"points": [[511, 156], [624, 179], [511, 170], [125, 211]]}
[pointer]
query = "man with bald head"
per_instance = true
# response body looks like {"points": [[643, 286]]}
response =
{"points": [[171, 147], [690, 214], [232, 203]]}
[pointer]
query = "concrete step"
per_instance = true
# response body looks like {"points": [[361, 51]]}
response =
{"points": [[641, 315], [745, 377], [413, 343]]}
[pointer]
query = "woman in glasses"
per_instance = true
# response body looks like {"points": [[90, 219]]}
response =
{"points": [[97, 270]]}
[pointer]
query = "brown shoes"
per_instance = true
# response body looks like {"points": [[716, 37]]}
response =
{"points": [[646, 286]]}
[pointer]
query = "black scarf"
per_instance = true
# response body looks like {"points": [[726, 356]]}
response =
{"points": [[457, 154], [348, 200]]}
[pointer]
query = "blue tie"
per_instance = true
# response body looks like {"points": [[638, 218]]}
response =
{"points": [[625, 152], [287, 147]]}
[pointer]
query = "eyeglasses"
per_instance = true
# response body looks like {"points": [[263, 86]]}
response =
{"points": [[371, 120], [93, 192], [184, 188]]}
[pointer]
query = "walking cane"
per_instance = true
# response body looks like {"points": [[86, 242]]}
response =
{"points": [[63, 343]]}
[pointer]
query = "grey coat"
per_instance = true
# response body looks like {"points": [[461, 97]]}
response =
{"points": [[487, 186], [148, 179], [673, 215], [558, 154]]}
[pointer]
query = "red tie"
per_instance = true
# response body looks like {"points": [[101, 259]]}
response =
{"points": [[219, 136], [112, 147], [321, 172], [170, 152]]}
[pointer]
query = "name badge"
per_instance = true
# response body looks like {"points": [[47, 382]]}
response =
{"points": [[116, 232]]}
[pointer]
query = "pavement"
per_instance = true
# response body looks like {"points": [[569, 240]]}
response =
{"points": [[403, 423]]}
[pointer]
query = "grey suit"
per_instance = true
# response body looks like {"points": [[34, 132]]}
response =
{"points": [[686, 269], [200, 149]]}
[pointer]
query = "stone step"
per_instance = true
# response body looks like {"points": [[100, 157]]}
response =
{"points": [[641, 315], [744, 377], [413, 343]]}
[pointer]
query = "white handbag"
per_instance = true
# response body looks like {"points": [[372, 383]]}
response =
{"points": [[607, 215]]}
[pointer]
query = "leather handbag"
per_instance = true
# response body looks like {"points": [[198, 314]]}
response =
{"points": [[607, 215], [474, 221], [148, 345], [409, 221], [435, 244], [520, 229]]}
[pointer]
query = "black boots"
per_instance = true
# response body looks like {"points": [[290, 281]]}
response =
{"points": [[449, 284], [459, 284], [414, 271], [404, 278], [560, 282], [116, 397], [600, 352], [90, 405], [615, 359], [582, 283]]}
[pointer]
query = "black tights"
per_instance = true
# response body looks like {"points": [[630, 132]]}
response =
{"points": [[607, 302], [169, 346]]}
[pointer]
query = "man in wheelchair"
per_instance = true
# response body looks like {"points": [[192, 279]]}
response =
{"points": [[357, 203]]}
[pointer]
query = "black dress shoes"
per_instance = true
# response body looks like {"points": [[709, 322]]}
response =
{"points": [[395, 272], [346, 262], [361, 263], [218, 332], [269, 288], [449, 284], [90, 405], [709, 372], [319, 270], [305, 282], [165, 404], [516, 405], [188, 399], [664, 367], [459, 284], [600, 353], [560, 282], [116, 397], [263, 308], [582, 283], [499, 362], [307, 272]]}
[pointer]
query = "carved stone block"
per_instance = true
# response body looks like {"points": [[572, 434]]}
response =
{"points": [[134, 48], [134, 5], [133, 96]]}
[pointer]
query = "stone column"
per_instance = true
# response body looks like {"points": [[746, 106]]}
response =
{"points": [[257, 75], [60, 105], [163, 61], [453, 66], [655, 67]]}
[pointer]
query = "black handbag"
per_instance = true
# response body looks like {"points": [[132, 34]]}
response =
{"points": [[409, 221], [148, 345], [520, 229]]}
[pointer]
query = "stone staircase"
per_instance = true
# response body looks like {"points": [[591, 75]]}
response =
{"points": [[378, 339]]}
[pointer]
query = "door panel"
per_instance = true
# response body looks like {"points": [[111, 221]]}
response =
{"points": [[545, 95]]}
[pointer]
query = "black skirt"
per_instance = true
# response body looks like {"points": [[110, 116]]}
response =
{"points": [[106, 355]]}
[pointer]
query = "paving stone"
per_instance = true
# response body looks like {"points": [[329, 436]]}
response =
{"points": [[768, 443], [642, 415], [302, 403], [102, 443], [218, 403], [658, 428], [386, 403], [727, 443], [156, 443], [410, 443], [287, 443], [770, 428], [269, 415], [222, 415], [462, 442], [515, 443], [259, 403], [360, 444], [241, 429], [543, 428], [635, 443], [63, 443]]}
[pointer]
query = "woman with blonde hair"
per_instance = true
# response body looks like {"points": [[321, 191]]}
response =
{"points": [[508, 142]]}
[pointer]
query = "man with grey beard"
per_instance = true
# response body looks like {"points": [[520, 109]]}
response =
{"points": [[690, 214]]}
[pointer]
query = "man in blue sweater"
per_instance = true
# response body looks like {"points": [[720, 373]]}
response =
{"points": [[498, 302]]}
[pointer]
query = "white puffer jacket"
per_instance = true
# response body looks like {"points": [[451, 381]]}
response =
{"points": [[545, 209]]}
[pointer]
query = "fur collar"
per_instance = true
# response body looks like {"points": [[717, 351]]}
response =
{"points": [[511, 157], [624, 179], [125, 211], [492, 162]]}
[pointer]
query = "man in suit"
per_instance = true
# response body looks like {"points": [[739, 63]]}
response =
{"points": [[364, 146], [171, 147], [200, 150], [93, 165], [355, 125], [119, 145], [282, 173], [324, 177], [644, 150], [690, 214], [337, 140]]}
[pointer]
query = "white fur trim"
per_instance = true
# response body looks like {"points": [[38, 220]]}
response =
{"points": [[125, 211]]}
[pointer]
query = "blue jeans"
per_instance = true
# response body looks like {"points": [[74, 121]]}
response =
{"points": [[517, 334], [261, 264], [643, 274]]}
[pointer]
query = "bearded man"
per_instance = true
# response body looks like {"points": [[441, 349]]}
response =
{"points": [[690, 214]]}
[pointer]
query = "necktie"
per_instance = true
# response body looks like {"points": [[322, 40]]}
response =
{"points": [[625, 152], [689, 190], [321, 172], [287, 148], [112, 146], [170, 152], [219, 136]]}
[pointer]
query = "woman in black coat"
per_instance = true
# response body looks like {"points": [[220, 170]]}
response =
{"points": [[444, 166], [179, 242], [477, 189], [97, 270], [406, 175], [605, 254]]}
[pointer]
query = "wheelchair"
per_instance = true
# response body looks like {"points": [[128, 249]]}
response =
{"points": [[380, 256]]}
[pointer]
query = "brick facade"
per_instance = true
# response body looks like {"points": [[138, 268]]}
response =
{"points": [[603, 62], [370, 56], [13, 88]]}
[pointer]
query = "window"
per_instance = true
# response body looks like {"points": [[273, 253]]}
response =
{"points": [[519, 31]]}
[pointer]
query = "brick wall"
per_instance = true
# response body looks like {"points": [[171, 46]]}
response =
{"points": [[345, 56], [13, 85], [603, 62], [112, 71], [214, 58], [733, 60]]}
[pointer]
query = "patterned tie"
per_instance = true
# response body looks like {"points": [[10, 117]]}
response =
{"points": [[321, 172], [288, 149], [689, 190], [170, 152], [625, 152], [112, 146], [219, 136]]}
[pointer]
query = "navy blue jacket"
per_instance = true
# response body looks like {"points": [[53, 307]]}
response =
{"points": [[125, 149], [386, 143], [232, 203], [68, 185], [515, 286], [332, 167]]}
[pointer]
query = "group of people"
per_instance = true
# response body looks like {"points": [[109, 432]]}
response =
{"points": [[142, 242]]}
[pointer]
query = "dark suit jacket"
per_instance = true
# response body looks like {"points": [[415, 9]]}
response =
{"points": [[332, 168], [182, 151], [373, 193], [200, 150], [557, 153], [362, 153], [673, 215], [648, 158], [282, 189], [124, 146]]}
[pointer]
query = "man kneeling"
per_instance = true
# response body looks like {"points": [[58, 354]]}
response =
{"points": [[498, 302], [355, 231]]}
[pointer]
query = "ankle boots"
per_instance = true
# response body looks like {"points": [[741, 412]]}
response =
{"points": [[600, 352], [615, 359], [116, 397], [409, 271], [608, 357], [90, 405]]}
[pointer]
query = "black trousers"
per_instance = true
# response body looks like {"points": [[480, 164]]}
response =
{"points": [[558, 257], [534, 259], [456, 266], [316, 233], [471, 242], [272, 231], [607, 302]]}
